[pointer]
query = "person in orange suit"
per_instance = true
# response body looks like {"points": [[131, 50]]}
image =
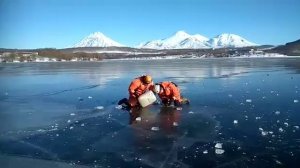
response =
{"points": [[169, 92], [138, 87]]}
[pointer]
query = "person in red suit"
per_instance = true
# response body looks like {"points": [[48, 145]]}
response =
{"points": [[169, 93]]}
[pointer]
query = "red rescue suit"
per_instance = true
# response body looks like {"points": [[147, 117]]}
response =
{"points": [[136, 88], [169, 92]]}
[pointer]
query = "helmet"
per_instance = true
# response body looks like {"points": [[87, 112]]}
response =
{"points": [[157, 88], [147, 79]]}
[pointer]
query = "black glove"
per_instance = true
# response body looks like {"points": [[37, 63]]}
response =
{"points": [[177, 103], [166, 102]]}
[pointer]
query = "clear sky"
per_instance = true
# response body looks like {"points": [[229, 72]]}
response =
{"points": [[62, 23]]}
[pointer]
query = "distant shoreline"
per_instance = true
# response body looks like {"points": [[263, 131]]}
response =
{"points": [[161, 58]]}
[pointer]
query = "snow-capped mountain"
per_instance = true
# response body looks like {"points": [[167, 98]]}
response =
{"points": [[179, 40], [97, 39], [182, 40], [229, 40]]}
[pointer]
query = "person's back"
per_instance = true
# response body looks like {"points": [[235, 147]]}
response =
{"points": [[168, 92]]}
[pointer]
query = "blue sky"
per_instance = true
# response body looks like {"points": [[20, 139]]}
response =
{"points": [[62, 23]]}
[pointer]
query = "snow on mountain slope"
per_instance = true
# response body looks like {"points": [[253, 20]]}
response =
{"points": [[97, 39], [182, 40], [229, 40], [195, 41], [179, 40]]}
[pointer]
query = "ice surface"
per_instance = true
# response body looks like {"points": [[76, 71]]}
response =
{"points": [[208, 120]]}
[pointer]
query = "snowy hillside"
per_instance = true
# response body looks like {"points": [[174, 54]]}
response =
{"points": [[97, 39], [182, 40], [179, 40], [229, 40]]}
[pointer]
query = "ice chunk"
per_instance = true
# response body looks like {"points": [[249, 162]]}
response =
{"points": [[69, 121], [179, 108], [71, 127], [205, 152], [218, 145], [219, 151], [72, 114], [99, 108], [230, 95], [175, 124], [90, 97], [119, 107], [82, 125], [296, 126], [235, 121], [248, 100], [257, 118], [280, 129], [278, 162], [191, 112], [138, 119], [155, 128], [277, 112], [296, 101], [286, 124], [264, 133]]}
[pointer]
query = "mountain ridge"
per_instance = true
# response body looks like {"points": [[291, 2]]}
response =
{"points": [[179, 40]]}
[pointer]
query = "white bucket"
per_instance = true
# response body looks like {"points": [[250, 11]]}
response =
{"points": [[147, 98]]}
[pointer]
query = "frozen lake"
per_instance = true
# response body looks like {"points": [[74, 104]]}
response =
{"points": [[243, 113]]}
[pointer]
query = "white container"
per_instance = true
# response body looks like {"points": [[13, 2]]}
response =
{"points": [[147, 98]]}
